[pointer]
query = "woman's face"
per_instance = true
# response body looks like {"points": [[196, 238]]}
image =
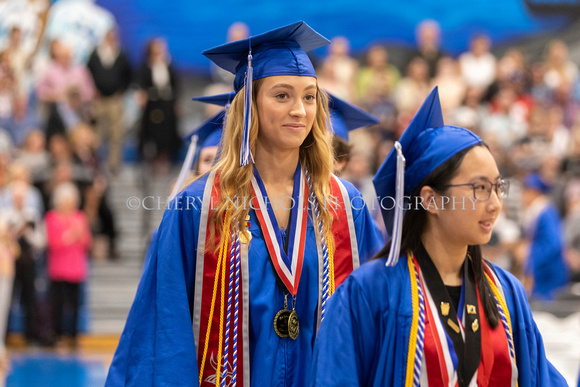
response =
{"points": [[206, 158], [286, 111], [471, 222]]}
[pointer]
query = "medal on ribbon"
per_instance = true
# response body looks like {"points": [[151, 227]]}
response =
{"points": [[287, 266]]}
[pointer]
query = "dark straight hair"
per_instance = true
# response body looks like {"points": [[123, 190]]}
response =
{"points": [[415, 219]]}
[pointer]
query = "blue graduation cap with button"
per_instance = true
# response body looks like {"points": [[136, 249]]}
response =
{"points": [[281, 51], [206, 135], [424, 145], [346, 117]]}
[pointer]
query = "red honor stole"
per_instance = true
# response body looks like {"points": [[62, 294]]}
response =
{"points": [[214, 271], [438, 367]]}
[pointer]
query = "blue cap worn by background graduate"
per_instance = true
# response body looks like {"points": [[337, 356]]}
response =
{"points": [[424, 145], [206, 135], [534, 181], [277, 52], [346, 117]]}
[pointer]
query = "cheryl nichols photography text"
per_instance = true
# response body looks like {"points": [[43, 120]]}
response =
{"points": [[184, 203]]}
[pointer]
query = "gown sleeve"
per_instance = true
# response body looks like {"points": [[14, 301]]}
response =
{"points": [[157, 345], [534, 369]]}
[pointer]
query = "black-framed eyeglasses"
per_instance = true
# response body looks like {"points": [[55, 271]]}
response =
{"points": [[482, 190]]}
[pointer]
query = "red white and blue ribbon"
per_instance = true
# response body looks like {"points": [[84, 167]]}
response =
{"points": [[287, 266]]}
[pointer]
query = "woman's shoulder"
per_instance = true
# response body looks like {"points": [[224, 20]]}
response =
{"points": [[350, 188], [194, 192], [376, 278], [509, 283]]}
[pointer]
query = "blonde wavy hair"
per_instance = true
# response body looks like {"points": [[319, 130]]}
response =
{"points": [[316, 155]]}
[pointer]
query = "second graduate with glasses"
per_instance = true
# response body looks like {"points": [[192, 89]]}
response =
{"points": [[438, 314], [247, 256]]}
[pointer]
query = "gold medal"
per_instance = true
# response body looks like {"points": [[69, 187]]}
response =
{"points": [[293, 325], [475, 325], [245, 237], [281, 322], [444, 308]]}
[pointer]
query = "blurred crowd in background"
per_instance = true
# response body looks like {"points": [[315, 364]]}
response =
{"points": [[64, 133]]}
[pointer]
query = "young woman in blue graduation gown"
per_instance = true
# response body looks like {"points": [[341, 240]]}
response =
{"points": [[439, 314], [225, 266]]}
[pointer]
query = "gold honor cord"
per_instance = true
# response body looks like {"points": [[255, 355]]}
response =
{"points": [[503, 305], [220, 263], [414, 323], [331, 285]]}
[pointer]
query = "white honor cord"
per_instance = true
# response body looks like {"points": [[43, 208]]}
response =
{"points": [[185, 168], [398, 219]]}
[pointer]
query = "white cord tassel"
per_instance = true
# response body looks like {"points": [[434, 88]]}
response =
{"points": [[185, 168], [393, 257]]}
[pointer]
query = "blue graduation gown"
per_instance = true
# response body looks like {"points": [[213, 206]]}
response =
{"points": [[546, 257], [364, 339], [157, 346]]}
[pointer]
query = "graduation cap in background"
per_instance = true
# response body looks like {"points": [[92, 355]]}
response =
{"points": [[424, 145], [207, 134], [281, 51], [534, 181], [346, 117]]}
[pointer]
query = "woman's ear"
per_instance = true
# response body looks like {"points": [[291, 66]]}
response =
{"points": [[429, 200]]}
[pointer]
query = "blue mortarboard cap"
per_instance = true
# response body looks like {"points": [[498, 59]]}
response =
{"points": [[346, 117], [426, 144], [213, 139], [534, 181], [218, 99], [281, 51], [207, 129], [208, 134]]}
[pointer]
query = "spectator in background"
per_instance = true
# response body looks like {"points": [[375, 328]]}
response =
{"points": [[470, 113], [94, 190], [451, 85], [159, 140], [9, 252], [478, 65], [428, 37], [19, 59], [34, 156], [8, 87], [66, 115], [558, 67], [21, 122], [572, 228], [62, 75], [69, 240], [376, 81], [506, 120], [28, 230], [545, 265], [111, 74], [236, 31], [338, 72], [557, 136], [20, 174], [413, 88]]}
